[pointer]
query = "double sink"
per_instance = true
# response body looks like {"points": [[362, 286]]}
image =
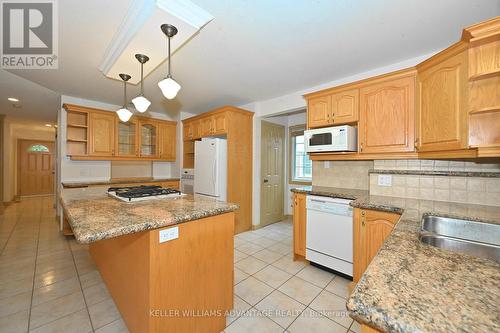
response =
{"points": [[470, 237]]}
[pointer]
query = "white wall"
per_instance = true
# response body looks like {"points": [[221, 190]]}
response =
{"points": [[293, 102]]}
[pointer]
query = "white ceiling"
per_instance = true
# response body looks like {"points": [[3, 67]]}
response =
{"points": [[259, 49]]}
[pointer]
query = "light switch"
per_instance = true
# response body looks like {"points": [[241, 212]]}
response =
{"points": [[384, 180], [326, 164], [169, 234]]}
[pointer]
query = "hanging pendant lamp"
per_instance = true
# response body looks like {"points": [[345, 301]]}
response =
{"points": [[169, 87], [141, 103], [124, 114]]}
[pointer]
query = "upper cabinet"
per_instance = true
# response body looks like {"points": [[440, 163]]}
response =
{"points": [[148, 131], [345, 106], [443, 101], [102, 134], [387, 116], [319, 111], [334, 108], [167, 141], [94, 134], [205, 125], [446, 107], [127, 143]]}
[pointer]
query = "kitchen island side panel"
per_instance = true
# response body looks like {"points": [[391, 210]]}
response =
{"points": [[182, 285], [124, 266]]}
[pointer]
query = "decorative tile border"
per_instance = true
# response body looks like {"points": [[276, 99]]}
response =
{"points": [[436, 173]]}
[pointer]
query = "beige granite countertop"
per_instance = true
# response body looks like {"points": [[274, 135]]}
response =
{"points": [[413, 287], [116, 181], [94, 216]]}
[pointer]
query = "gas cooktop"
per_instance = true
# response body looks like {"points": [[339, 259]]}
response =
{"points": [[143, 192]]}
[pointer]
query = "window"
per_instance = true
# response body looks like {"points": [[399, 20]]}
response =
{"points": [[38, 149], [300, 164]]}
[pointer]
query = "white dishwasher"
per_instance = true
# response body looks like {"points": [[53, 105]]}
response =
{"points": [[329, 233]]}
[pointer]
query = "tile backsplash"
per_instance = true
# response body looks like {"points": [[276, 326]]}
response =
{"points": [[343, 174], [474, 190]]}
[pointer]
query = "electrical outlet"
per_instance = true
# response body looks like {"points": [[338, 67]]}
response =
{"points": [[169, 234], [326, 164], [384, 180]]}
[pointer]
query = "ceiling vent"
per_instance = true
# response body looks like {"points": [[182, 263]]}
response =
{"points": [[140, 32]]}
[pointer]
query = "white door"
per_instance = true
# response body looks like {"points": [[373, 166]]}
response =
{"points": [[205, 168]]}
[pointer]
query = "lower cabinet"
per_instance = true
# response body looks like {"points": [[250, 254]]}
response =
{"points": [[371, 228], [299, 225]]}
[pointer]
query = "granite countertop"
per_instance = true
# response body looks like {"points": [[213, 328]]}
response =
{"points": [[413, 287], [333, 192], [94, 216], [116, 181]]}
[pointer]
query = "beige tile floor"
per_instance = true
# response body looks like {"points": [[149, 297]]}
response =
{"points": [[48, 283]]}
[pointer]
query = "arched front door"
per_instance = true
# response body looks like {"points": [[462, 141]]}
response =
{"points": [[35, 167]]}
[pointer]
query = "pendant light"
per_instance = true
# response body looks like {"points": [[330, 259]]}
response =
{"points": [[168, 86], [141, 103], [124, 114]]}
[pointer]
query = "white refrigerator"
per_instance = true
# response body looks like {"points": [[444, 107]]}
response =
{"points": [[210, 168]]}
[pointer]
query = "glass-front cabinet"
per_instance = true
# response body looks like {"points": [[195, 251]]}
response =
{"points": [[149, 138], [128, 140]]}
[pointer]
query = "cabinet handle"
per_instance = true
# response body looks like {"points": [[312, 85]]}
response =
{"points": [[416, 142], [363, 221], [361, 146]]}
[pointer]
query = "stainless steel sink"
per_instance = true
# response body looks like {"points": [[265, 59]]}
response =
{"points": [[465, 236]]}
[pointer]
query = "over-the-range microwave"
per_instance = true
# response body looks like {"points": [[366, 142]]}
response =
{"points": [[336, 138]]}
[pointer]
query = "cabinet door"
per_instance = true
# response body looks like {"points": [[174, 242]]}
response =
{"points": [[187, 131], [319, 111], [345, 106], [148, 138], [196, 129], [299, 224], [127, 138], [219, 122], [206, 126], [442, 105], [387, 116], [102, 133], [167, 141], [371, 228]]}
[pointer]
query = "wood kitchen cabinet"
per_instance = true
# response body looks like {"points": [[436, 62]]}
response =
{"points": [[127, 138], [94, 134], [387, 115], [299, 225], [206, 126], [167, 141], [333, 108], [237, 126], [345, 106], [220, 124], [102, 134], [371, 228], [148, 134], [442, 101], [319, 111]]}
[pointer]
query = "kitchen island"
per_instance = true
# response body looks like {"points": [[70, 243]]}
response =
{"points": [[168, 263]]}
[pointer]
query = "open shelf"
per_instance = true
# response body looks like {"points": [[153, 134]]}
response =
{"points": [[75, 140], [77, 126]]}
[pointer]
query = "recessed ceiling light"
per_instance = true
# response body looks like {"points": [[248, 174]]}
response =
{"points": [[13, 99]]}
